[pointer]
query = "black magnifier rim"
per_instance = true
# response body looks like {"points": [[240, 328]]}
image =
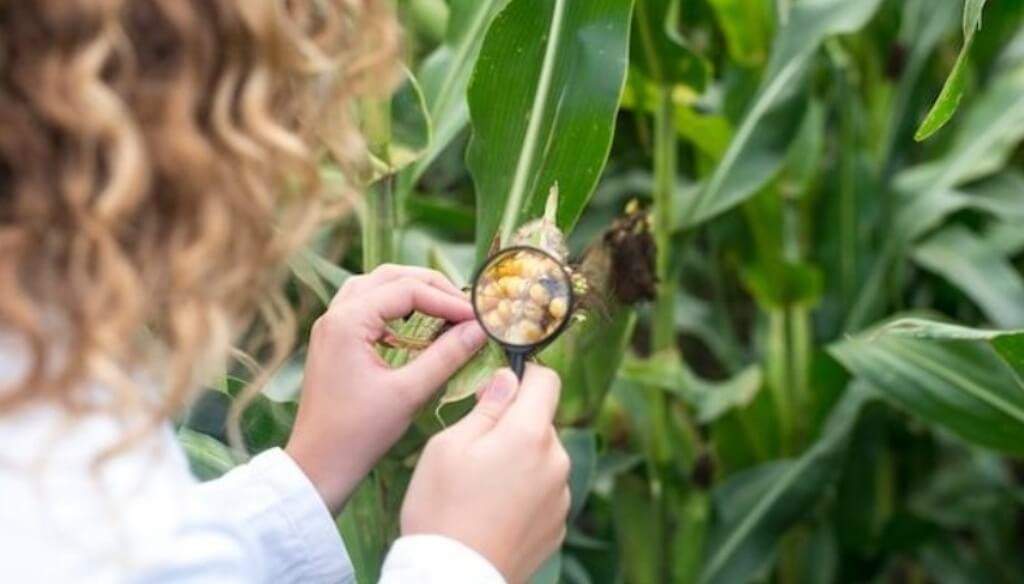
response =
{"points": [[555, 333]]}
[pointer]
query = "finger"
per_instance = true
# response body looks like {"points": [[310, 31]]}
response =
{"points": [[493, 403], [536, 401], [431, 368], [399, 298], [565, 504], [387, 273]]}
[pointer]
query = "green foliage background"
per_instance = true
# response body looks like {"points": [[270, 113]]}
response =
{"points": [[832, 183]]}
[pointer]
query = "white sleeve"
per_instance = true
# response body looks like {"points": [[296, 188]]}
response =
{"points": [[274, 501], [433, 559], [142, 518]]}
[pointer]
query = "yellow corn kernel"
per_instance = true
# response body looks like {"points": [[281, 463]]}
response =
{"points": [[512, 286], [494, 323], [526, 332], [540, 295], [504, 310], [486, 302], [558, 308], [533, 312]]}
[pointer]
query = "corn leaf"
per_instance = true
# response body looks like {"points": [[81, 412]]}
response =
{"points": [[636, 519], [408, 132], [756, 507], [542, 105], [581, 444], [362, 525], [747, 27], [981, 272], [1009, 344], [445, 74], [957, 384], [758, 147], [208, 457], [928, 194], [949, 98], [659, 51]]}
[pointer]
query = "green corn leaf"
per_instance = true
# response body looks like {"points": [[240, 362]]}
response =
{"points": [[472, 376], [542, 104], [407, 132], [758, 147], [747, 27], [756, 507], [710, 399], [320, 275], [924, 24], [981, 272], [208, 457], [658, 50], [636, 519], [362, 525], [581, 444], [1009, 344], [587, 357], [949, 98], [958, 384], [926, 195], [445, 74]]}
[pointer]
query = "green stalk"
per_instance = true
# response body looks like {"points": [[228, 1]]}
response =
{"points": [[782, 11], [800, 349], [666, 458], [797, 330], [379, 219], [777, 370], [367, 505], [691, 539], [791, 555], [664, 325], [847, 176], [379, 225]]}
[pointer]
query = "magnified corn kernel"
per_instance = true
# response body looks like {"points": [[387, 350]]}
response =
{"points": [[539, 294], [526, 332], [487, 303], [523, 297], [504, 310], [494, 323], [533, 312], [558, 308], [517, 308], [512, 286]]}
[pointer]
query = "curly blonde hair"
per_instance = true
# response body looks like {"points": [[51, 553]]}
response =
{"points": [[158, 165]]}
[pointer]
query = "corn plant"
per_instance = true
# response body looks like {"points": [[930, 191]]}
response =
{"points": [[801, 355]]}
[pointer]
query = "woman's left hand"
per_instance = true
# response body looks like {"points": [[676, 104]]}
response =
{"points": [[354, 407]]}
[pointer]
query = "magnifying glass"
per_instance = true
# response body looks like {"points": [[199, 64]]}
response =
{"points": [[523, 299]]}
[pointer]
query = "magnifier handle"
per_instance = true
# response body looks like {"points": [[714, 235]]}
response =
{"points": [[517, 361]]}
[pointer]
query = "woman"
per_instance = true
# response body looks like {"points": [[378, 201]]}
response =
{"points": [[157, 167]]}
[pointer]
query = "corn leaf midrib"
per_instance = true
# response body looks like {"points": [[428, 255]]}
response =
{"points": [[976, 390]]}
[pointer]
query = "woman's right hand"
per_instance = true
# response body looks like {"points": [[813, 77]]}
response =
{"points": [[497, 480]]}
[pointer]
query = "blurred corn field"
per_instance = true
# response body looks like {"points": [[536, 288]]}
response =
{"points": [[803, 225]]}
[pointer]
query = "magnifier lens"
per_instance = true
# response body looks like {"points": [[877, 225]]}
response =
{"points": [[522, 297]]}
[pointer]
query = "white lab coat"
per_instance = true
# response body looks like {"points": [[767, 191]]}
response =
{"points": [[144, 518]]}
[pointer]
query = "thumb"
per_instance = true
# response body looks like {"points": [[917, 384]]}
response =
{"points": [[437, 363], [491, 404]]}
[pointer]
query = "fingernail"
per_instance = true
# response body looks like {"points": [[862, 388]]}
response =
{"points": [[472, 336], [500, 387]]}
